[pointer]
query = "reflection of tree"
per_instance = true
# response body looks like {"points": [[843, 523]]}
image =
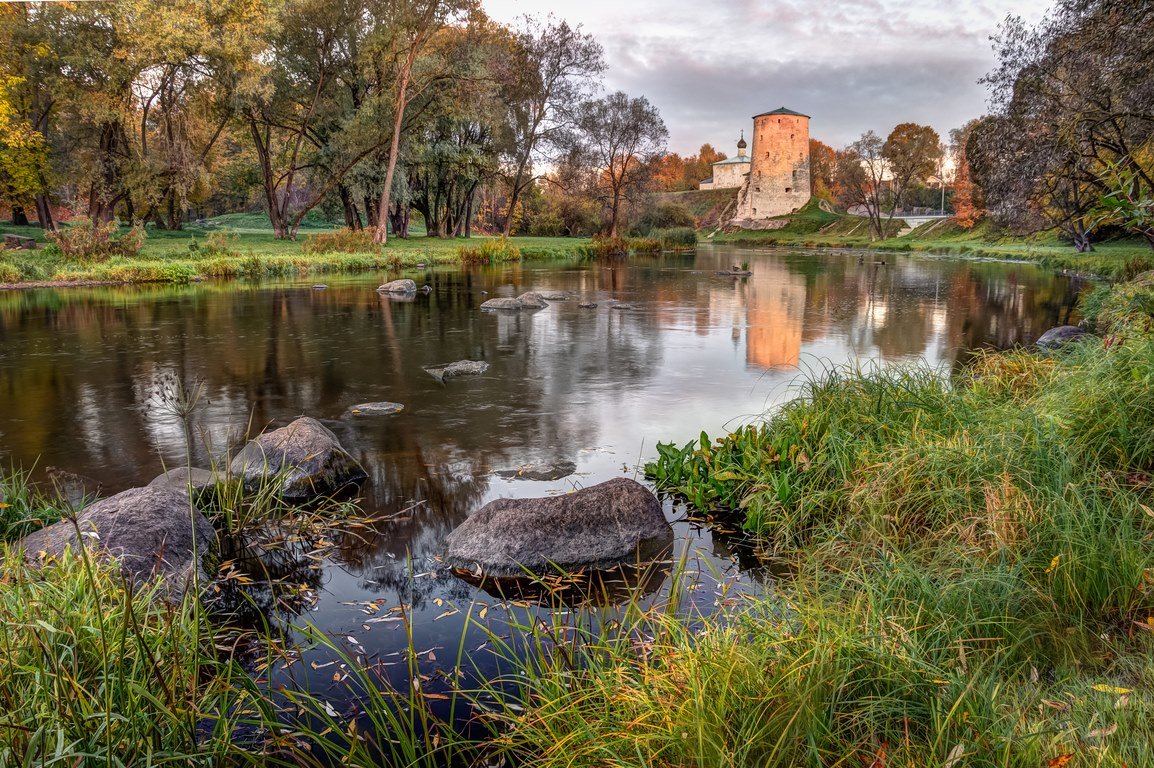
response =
{"points": [[79, 369]]}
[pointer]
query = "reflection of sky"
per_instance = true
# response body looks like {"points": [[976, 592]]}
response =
{"points": [[79, 380]]}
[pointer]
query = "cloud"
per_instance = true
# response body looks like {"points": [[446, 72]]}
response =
{"points": [[854, 65]]}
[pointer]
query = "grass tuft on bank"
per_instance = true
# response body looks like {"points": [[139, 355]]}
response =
{"points": [[238, 246]]}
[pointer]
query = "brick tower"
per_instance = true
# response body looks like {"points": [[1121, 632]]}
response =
{"points": [[778, 182]]}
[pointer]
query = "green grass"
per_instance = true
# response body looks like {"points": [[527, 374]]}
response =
{"points": [[813, 228], [966, 580], [242, 245]]}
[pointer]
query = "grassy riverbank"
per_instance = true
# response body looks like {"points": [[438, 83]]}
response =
{"points": [[242, 245], [967, 580], [971, 562], [815, 228]]}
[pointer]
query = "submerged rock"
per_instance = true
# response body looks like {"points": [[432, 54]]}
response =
{"points": [[185, 479], [588, 305], [622, 306], [502, 303], [562, 296], [615, 522], [1063, 334], [368, 410], [527, 300], [154, 533], [304, 458], [459, 368], [737, 273], [543, 470], [531, 300], [399, 286]]}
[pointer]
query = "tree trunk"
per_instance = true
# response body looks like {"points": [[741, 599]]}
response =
{"points": [[101, 199], [514, 197], [352, 219], [613, 213], [381, 235], [19, 217], [44, 213], [371, 212]]}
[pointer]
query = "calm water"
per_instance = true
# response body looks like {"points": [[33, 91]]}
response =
{"points": [[83, 371]]}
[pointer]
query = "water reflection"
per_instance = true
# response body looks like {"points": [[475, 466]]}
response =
{"points": [[83, 375]]}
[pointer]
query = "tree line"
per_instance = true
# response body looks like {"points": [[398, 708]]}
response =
{"points": [[1068, 144], [152, 112]]}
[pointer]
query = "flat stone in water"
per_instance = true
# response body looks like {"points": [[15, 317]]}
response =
{"points": [[502, 303], [563, 296], [544, 470], [622, 306], [527, 300], [459, 368], [588, 305], [319, 287], [372, 409], [399, 286]]}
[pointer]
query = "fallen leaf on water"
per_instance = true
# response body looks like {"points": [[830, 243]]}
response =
{"points": [[451, 612]]}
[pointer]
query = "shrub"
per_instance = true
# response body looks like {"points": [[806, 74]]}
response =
{"points": [[9, 273], [676, 238], [604, 247], [341, 241], [663, 216], [88, 242], [490, 251], [643, 245]]}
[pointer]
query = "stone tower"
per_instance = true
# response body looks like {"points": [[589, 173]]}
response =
{"points": [[778, 182]]}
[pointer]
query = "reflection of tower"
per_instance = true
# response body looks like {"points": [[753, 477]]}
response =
{"points": [[774, 315], [778, 180]]}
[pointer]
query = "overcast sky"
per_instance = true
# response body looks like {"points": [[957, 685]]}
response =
{"points": [[853, 65]]}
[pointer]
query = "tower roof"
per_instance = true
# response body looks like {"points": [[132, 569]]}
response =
{"points": [[781, 111], [741, 142]]}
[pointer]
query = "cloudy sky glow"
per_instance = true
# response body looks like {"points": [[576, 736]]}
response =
{"points": [[851, 64]]}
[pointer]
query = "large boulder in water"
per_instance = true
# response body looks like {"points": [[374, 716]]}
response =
{"points": [[602, 526], [154, 533], [304, 459], [1063, 334]]}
